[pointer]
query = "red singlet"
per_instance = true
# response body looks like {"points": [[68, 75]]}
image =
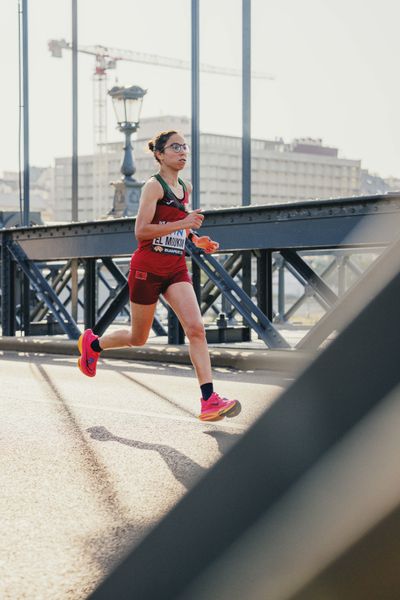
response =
{"points": [[164, 255]]}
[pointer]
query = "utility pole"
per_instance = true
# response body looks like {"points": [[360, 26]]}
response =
{"points": [[74, 187], [246, 130], [246, 102], [25, 92], [195, 141]]}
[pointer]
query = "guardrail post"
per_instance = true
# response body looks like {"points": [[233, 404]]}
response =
{"points": [[89, 311], [280, 263], [246, 273], [74, 288], [196, 278], [25, 305], [7, 290], [264, 283], [176, 334]]}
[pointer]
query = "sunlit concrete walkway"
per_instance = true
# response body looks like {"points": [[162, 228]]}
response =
{"points": [[89, 465]]}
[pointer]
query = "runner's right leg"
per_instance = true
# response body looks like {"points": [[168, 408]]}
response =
{"points": [[141, 321], [142, 316]]}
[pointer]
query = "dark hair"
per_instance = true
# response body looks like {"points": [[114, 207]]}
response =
{"points": [[159, 142]]}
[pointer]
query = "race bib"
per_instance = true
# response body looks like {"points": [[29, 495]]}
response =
{"points": [[172, 243]]}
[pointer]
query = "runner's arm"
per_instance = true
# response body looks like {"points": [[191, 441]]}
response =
{"points": [[204, 242]]}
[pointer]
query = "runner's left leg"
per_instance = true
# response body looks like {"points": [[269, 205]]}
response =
{"points": [[182, 299]]}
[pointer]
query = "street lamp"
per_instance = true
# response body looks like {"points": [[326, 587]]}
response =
{"points": [[127, 104]]}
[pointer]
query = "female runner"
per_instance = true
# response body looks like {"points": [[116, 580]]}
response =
{"points": [[158, 266]]}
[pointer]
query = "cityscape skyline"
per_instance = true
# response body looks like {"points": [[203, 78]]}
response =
{"points": [[330, 82], [304, 169]]}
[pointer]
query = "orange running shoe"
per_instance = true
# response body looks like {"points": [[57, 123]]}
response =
{"points": [[216, 408], [88, 360]]}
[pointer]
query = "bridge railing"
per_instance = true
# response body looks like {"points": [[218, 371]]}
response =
{"points": [[273, 261]]}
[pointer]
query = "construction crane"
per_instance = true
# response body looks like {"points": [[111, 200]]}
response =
{"points": [[105, 60]]}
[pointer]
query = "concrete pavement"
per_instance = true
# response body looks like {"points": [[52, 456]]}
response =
{"points": [[89, 465]]}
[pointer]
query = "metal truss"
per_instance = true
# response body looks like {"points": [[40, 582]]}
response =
{"points": [[277, 235], [59, 278], [309, 276], [44, 291], [310, 291], [315, 224], [211, 292], [251, 314], [288, 448], [117, 301]]}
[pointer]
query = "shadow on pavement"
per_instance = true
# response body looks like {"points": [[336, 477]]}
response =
{"points": [[184, 469], [109, 547], [224, 439]]}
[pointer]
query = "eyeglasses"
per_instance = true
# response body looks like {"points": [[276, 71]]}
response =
{"points": [[178, 147]]}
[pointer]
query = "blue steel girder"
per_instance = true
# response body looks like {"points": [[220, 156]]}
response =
{"points": [[44, 291], [59, 282], [299, 302], [330, 399], [210, 292], [309, 276], [69, 297], [250, 312], [8, 312], [112, 292], [317, 224], [119, 301]]}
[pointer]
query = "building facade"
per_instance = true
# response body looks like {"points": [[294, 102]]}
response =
{"points": [[41, 192], [281, 172]]}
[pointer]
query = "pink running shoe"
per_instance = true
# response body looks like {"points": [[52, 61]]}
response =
{"points": [[216, 408], [88, 360]]}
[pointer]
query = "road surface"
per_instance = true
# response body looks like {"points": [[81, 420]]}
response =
{"points": [[89, 465]]}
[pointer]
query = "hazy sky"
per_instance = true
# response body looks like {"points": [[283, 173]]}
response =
{"points": [[335, 64]]}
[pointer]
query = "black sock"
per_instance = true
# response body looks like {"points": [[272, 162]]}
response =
{"points": [[96, 346], [206, 390]]}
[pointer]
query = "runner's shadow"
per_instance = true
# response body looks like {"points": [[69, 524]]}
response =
{"points": [[224, 440], [184, 469]]}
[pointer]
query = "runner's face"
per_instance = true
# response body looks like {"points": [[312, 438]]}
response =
{"points": [[170, 157]]}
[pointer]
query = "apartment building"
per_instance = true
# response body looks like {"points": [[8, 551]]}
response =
{"points": [[281, 172]]}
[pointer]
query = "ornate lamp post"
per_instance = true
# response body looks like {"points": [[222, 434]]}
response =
{"points": [[127, 106]]}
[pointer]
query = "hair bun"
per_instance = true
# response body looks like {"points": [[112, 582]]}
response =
{"points": [[151, 145]]}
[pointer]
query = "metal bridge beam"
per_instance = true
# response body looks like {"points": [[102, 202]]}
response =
{"points": [[327, 401], [211, 292], [251, 314], [90, 296], [347, 305], [264, 283], [44, 291], [309, 276], [7, 290], [302, 225], [59, 282]]}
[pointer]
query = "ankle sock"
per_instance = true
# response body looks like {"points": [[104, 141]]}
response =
{"points": [[206, 390], [96, 346]]}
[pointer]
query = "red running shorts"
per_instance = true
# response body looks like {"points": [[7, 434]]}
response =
{"points": [[145, 288]]}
